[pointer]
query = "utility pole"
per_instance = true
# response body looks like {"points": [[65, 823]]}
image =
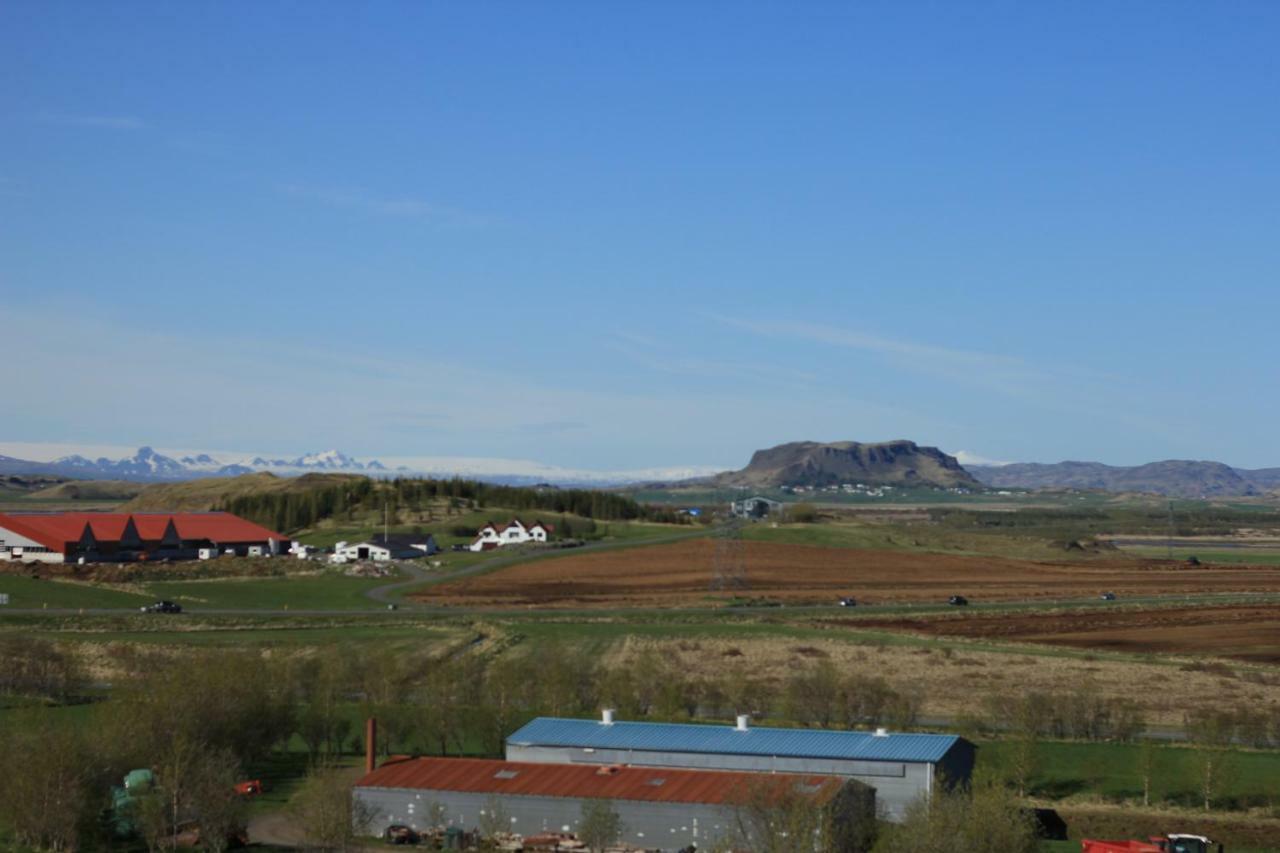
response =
{"points": [[1169, 538]]}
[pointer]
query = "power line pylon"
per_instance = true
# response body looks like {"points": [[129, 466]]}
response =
{"points": [[729, 563]]}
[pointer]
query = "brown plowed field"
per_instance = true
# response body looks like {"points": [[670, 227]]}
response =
{"points": [[680, 574], [1249, 633]]}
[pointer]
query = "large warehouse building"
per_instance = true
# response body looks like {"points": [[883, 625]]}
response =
{"points": [[901, 767], [68, 537], [660, 809]]}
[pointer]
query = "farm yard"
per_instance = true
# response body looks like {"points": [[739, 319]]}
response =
{"points": [[631, 604]]}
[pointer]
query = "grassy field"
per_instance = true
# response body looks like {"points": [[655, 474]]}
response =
{"points": [[908, 537], [25, 592], [1250, 556], [329, 591], [1111, 772]]}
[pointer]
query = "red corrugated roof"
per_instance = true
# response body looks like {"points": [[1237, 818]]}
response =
{"points": [[151, 527], [652, 784], [222, 527], [56, 530], [50, 531]]}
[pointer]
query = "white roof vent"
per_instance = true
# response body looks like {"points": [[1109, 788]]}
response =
{"points": [[606, 718], [882, 732], [744, 722]]}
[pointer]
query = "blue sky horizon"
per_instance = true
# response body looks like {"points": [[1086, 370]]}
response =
{"points": [[622, 236]]}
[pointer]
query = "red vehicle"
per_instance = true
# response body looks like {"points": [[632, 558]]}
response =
{"points": [[252, 788], [1177, 843]]}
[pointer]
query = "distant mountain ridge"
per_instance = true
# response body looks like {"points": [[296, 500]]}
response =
{"points": [[147, 465], [812, 463], [1171, 477]]}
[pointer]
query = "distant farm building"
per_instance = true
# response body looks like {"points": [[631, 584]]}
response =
{"points": [[514, 532], [660, 808], [755, 507], [901, 767], [70, 537], [383, 549]]}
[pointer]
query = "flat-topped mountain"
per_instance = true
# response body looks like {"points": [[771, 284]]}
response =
{"points": [[813, 463]]}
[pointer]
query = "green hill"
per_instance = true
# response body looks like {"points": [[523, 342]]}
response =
{"points": [[218, 492], [90, 490]]}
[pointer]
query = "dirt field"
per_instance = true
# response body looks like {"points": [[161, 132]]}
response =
{"points": [[1243, 633], [680, 575]]}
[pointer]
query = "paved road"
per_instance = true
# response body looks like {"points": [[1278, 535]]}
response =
{"points": [[887, 609], [383, 594]]}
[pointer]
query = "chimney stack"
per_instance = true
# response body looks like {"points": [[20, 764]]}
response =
{"points": [[882, 732], [606, 718], [370, 744], [744, 722]]}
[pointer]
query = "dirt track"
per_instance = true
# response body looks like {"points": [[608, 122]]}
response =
{"points": [[1249, 633], [680, 574]]}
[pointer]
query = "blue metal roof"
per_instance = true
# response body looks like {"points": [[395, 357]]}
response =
{"points": [[689, 737]]}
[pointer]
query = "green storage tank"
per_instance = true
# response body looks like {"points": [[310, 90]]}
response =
{"points": [[136, 781]]}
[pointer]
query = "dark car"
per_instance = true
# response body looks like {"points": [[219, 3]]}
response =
{"points": [[1108, 596], [848, 601], [398, 833], [162, 607], [957, 601]]}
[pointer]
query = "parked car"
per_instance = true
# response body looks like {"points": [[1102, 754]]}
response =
{"points": [[1108, 596], [957, 601], [162, 607], [848, 601], [398, 833]]}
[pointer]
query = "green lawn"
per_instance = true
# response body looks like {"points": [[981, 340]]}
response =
{"points": [[1253, 556], [387, 630], [329, 591], [914, 537], [24, 592], [1111, 771]]}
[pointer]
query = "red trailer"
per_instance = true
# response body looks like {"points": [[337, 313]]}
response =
{"points": [[1177, 843]]}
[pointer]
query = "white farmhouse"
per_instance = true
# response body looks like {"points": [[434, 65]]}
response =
{"points": [[380, 550], [514, 532]]}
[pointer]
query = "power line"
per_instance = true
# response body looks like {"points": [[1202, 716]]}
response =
{"points": [[729, 562]]}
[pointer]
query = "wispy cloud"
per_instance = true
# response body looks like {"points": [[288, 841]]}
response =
{"points": [[835, 336], [656, 355], [1060, 388], [394, 206], [965, 457], [104, 122], [994, 372]]}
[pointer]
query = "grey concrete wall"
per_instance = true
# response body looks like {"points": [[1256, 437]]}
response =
{"points": [[897, 784], [661, 826]]}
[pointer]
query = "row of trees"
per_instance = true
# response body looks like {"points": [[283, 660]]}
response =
{"points": [[38, 669], [202, 721], [308, 502], [823, 696], [197, 724], [1079, 714]]}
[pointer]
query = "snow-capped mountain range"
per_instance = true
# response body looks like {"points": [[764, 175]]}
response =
{"points": [[148, 465]]}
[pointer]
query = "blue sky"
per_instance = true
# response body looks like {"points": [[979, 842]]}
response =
{"points": [[608, 235]]}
